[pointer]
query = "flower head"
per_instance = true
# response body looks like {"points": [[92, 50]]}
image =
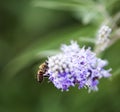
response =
{"points": [[103, 37], [76, 66]]}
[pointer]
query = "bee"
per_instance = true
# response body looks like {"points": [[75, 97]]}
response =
{"points": [[42, 72]]}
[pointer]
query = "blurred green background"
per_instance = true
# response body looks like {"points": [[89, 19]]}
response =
{"points": [[31, 30]]}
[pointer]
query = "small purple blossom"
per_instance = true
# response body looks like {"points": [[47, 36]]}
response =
{"points": [[76, 66]]}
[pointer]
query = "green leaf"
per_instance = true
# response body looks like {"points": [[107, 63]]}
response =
{"points": [[87, 10], [63, 5]]}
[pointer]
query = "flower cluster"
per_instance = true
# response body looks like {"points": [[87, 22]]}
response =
{"points": [[76, 66], [103, 37]]}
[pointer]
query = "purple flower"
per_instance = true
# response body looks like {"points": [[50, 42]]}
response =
{"points": [[76, 66], [61, 71]]}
